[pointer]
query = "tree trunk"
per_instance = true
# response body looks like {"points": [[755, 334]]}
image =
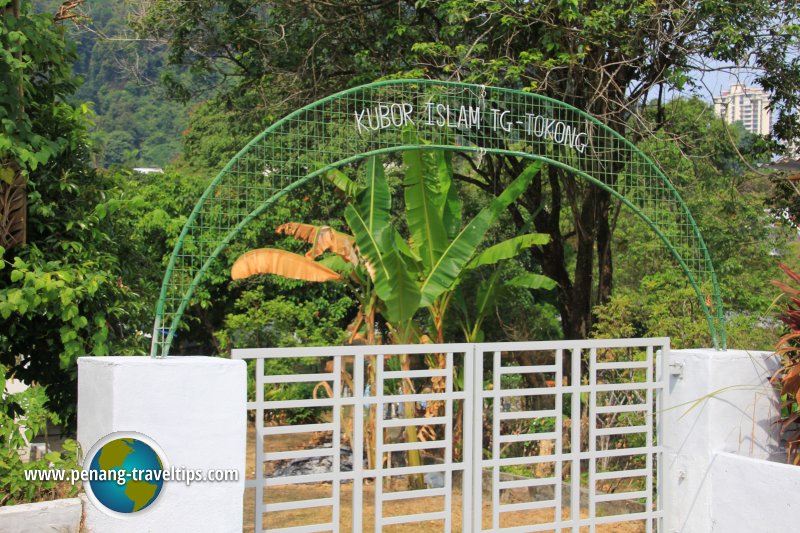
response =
{"points": [[592, 236], [13, 8], [605, 265], [13, 207], [415, 481]]}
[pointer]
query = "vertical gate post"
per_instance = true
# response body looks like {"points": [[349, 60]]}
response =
{"points": [[575, 436], [194, 410], [476, 437], [714, 401]]}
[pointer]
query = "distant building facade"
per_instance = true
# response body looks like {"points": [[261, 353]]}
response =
{"points": [[149, 170], [748, 105]]}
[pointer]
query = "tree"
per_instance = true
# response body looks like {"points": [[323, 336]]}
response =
{"points": [[61, 295], [714, 166], [604, 57], [120, 76]]}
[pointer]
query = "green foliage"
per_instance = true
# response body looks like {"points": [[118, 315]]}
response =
{"points": [[22, 417], [135, 122], [265, 44], [665, 306], [423, 270], [604, 58], [488, 295], [214, 134], [543, 46], [34, 70], [257, 322], [728, 201], [508, 249], [61, 295]]}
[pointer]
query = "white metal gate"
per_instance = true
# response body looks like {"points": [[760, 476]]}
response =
{"points": [[493, 425]]}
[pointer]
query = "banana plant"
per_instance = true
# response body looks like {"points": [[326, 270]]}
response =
{"points": [[409, 274], [424, 270], [488, 294], [402, 276]]}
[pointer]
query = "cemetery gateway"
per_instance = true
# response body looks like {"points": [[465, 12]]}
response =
{"points": [[356, 123]]}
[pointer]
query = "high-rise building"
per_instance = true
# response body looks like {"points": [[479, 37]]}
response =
{"points": [[748, 105]]}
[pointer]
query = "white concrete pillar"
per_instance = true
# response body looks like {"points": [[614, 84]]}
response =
{"points": [[194, 409], [715, 401]]}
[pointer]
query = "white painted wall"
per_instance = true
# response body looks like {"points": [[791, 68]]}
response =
{"points": [[63, 516], [715, 401], [754, 496], [194, 408]]}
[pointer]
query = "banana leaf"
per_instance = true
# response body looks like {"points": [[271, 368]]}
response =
{"points": [[449, 267], [532, 281], [374, 202], [399, 291], [337, 264], [343, 183], [508, 249], [281, 263], [321, 238], [452, 210], [425, 196], [392, 277]]}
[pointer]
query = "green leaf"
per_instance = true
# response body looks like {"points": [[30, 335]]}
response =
{"points": [[452, 210], [406, 250], [337, 264], [399, 291], [342, 182], [17, 275], [508, 249], [515, 188], [368, 244], [460, 303], [7, 175], [394, 283], [449, 267], [532, 281], [67, 334], [375, 201], [425, 199], [52, 457], [488, 294]]}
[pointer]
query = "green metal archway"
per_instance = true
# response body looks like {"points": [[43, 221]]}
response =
{"points": [[359, 122]]}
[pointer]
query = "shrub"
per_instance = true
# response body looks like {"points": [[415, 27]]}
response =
{"points": [[22, 417]]}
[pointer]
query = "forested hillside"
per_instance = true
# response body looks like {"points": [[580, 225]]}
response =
{"points": [[135, 123]]}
